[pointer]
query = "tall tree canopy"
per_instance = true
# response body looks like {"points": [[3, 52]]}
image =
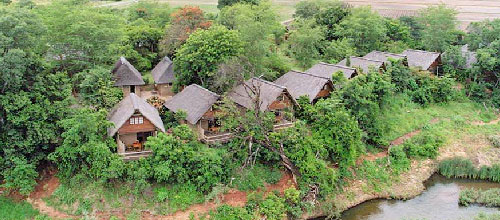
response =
{"points": [[32, 99], [365, 28], [439, 27], [196, 61]]}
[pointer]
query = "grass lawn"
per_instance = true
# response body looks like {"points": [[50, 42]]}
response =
{"points": [[10, 210]]}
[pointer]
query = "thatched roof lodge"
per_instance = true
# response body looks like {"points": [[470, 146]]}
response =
{"points": [[134, 120], [327, 70], [127, 77], [163, 76], [198, 104], [305, 84], [269, 96], [423, 60], [363, 63]]}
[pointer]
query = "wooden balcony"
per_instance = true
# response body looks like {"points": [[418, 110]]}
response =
{"points": [[135, 155], [282, 125], [216, 138]]}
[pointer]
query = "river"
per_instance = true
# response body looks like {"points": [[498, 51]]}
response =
{"points": [[438, 202]]}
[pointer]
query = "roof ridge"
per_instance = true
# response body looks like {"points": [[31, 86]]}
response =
{"points": [[337, 65], [378, 61], [205, 89], [385, 52], [134, 98], [424, 51], [300, 72], [270, 83]]}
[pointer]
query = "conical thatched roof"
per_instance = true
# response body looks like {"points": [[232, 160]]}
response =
{"points": [[125, 74], [164, 71]]}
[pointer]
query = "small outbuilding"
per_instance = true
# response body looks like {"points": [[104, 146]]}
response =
{"points": [[163, 76], [127, 77], [305, 84], [327, 70], [134, 121], [424, 60], [363, 64]]}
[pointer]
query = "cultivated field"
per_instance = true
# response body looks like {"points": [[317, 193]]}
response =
{"points": [[468, 10]]}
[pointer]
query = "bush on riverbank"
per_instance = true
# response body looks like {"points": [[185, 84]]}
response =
{"points": [[489, 197], [463, 168]]}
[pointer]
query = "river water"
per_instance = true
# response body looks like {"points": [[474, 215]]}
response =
{"points": [[438, 202]]}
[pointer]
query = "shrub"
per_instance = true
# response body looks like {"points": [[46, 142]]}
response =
{"points": [[494, 140], [489, 197], [179, 196], [226, 212], [463, 168], [11, 210], [398, 158], [180, 158], [273, 207], [425, 145], [255, 177]]}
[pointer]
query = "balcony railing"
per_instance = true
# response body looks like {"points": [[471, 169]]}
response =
{"points": [[135, 155]]}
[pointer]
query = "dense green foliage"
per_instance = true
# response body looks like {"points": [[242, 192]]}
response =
{"points": [[197, 60], [489, 197]]}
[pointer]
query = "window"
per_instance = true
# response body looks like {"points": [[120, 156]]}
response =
{"points": [[136, 120]]}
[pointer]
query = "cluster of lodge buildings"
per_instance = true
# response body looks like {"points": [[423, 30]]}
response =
{"points": [[134, 119]]}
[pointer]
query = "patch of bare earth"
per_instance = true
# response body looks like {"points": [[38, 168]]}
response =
{"points": [[46, 185]]}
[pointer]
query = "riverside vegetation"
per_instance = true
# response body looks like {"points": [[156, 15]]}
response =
{"points": [[51, 52]]}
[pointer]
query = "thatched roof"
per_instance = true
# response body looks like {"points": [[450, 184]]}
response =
{"points": [[245, 93], [383, 56], [470, 57], [363, 63], [125, 74], [129, 106], [421, 59], [194, 100], [164, 71], [303, 84], [327, 70]]}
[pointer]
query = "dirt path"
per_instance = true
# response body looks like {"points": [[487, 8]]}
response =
{"points": [[49, 183], [481, 123], [46, 185]]}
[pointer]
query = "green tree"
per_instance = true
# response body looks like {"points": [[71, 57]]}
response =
{"points": [[305, 43], [97, 89], [366, 29], [363, 96], [196, 61], [337, 50], [86, 149], [141, 46], [223, 3], [32, 100], [260, 30], [80, 36], [439, 27], [482, 34]]}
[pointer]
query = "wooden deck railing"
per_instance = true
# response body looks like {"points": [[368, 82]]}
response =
{"points": [[135, 155]]}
